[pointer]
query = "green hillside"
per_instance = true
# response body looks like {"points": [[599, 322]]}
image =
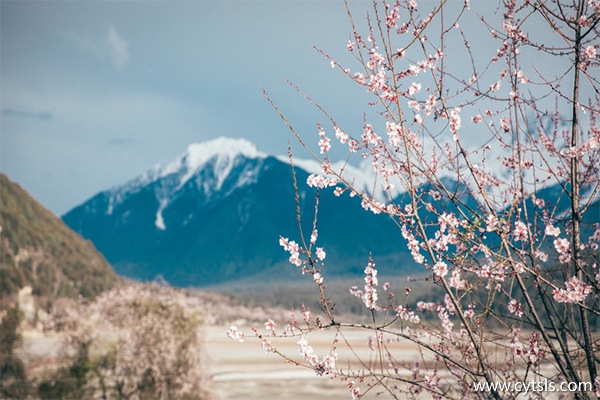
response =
{"points": [[39, 250]]}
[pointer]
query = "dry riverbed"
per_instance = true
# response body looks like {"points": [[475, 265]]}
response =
{"points": [[246, 371]]}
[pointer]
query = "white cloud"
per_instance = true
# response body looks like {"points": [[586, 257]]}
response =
{"points": [[112, 47], [118, 48]]}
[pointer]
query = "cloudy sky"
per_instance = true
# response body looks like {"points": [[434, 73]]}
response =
{"points": [[96, 92]]}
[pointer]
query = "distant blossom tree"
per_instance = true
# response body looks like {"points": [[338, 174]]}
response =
{"points": [[134, 342], [504, 221]]}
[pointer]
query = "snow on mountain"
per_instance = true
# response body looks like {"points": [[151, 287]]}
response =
{"points": [[222, 149], [219, 154], [216, 213], [360, 177], [215, 160]]}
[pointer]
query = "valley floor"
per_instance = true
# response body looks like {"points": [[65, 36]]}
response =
{"points": [[245, 371]]}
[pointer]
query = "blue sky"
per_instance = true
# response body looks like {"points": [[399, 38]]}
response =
{"points": [[96, 92]]}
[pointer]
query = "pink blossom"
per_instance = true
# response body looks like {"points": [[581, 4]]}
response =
{"points": [[321, 367], [267, 347], [427, 306], [404, 314], [369, 295], [515, 308], [235, 334], [390, 19], [562, 246], [320, 181], [395, 133], [447, 324], [414, 89], [430, 104], [355, 291], [455, 121], [521, 76], [551, 230], [324, 142], [340, 135], [306, 315], [440, 269], [448, 221], [470, 313], [360, 78], [413, 245], [510, 29], [590, 52], [496, 86], [313, 236], [534, 353], [414, 69], [519, 268], [374, 206], [293, 248], [540, 255], [516, 344], [289, 245], [415, 105], [307, 351], [575, 291], [320, 253], [491, 223], [564, 258], [375, 60], [369, 136], [456, 280], [270, 326], [431, 378], [520, 231], [318, 278]]}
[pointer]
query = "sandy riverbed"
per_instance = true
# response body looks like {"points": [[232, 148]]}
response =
{"points": [[246, 371]]}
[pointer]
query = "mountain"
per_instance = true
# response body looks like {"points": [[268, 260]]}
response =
{"points": [[216, 213], [37, 249]]}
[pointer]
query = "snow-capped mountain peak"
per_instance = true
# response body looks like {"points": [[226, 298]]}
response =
{"points": [[198, 153], [221, 154], [223, 150]]}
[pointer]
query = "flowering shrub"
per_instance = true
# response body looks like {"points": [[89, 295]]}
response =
{"points": [[134, 342], [496, 155]]}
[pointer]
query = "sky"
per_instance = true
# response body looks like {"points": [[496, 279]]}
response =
{"points": [[94, 93]]}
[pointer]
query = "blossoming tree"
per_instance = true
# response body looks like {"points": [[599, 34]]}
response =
{"points": [[488, 162], [134, 342]]}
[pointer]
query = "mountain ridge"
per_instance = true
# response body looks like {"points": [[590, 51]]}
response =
{"points": [[37, 249], [216, 212], [219, 218]]}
